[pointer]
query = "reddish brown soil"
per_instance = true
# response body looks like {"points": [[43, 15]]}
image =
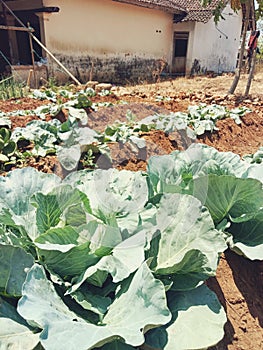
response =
{"points": [[238, 285], [241, 139], [239, 282]]}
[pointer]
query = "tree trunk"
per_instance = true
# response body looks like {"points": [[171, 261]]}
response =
{"points": [[242, 48], [251, 73], [253, 62]]}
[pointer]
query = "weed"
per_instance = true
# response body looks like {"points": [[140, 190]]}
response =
{"points": [[88, 160], [9, 88]]}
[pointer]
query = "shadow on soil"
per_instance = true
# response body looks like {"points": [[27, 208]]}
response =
{"points": [[228, 329], [248, 276]]}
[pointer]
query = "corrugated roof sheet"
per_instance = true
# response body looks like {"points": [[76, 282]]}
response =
{"points": [[193, 8]]}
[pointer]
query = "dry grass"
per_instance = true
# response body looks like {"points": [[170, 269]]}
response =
{"points": [[218, 85]]}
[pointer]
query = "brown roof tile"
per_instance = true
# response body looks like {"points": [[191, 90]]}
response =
{"points": [[197, 12], [193, 8], [165, 5]]}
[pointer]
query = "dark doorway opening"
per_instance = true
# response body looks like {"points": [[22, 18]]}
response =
{"points": [[4, 46], [22, 38], [180, 52], [15, 45]]}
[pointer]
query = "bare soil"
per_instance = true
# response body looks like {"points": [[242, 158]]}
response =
{"points": [[239, 282]]}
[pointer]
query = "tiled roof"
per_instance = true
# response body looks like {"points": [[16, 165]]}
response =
{"points": [[199, 16], [197, 12], [195, 5], [192, 8], [165, 5]]}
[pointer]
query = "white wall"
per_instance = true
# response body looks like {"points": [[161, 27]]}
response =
{"points": [[107, 40], [104, 27], [105, 32], [214, 46]]}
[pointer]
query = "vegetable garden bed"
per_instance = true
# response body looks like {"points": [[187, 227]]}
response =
{"points": [[132, 253]]}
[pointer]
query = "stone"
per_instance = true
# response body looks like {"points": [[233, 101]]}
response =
{"points": [[115, 89], [91, 84], [103, 86], [231, 97]]}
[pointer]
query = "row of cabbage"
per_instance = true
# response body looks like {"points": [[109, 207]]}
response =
{"points": [[72, 139], [109, 259]]}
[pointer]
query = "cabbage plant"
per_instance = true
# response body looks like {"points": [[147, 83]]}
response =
{"points": [[91, 262], [229, 187]]}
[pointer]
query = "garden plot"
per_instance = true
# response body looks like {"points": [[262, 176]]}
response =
{"points": [[96, 242]]}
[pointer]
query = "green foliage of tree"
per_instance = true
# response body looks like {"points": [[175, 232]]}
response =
{"points": [[259, 9], [235, 5], [253, 12]]}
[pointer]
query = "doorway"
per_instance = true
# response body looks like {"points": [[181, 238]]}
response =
{"points": [[14, 45], [4, 47], [22, 38], [180, 52]]}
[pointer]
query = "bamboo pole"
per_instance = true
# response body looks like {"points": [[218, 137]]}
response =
{"points": [[2, 81], [32, 57], [56, 60], [22, 29]]}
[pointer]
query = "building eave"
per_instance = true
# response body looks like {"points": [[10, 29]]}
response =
{"points": [[163, 5]]}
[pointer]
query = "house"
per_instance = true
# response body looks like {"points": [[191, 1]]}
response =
{"points": [[122, 40]]}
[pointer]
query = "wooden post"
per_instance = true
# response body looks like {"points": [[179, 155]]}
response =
{"points": [[19, 29], [29, 78], [242, 50], [33, 57], [8, 33], [253, 59]]}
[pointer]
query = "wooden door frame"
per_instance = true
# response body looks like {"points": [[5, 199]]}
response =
{"points": [[181, 35]]}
